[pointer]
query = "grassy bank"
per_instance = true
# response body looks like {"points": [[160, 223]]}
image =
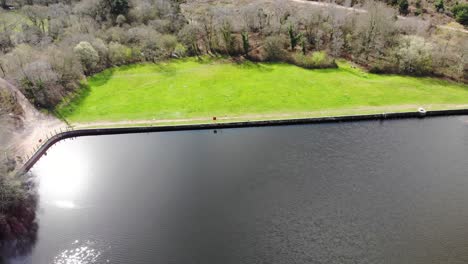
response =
{"points": [[190, 89]]}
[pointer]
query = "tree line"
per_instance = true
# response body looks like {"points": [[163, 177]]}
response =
{"points": [[47, 47]]}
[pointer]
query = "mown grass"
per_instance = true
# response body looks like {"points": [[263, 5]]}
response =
{"points": [[191, 88]]}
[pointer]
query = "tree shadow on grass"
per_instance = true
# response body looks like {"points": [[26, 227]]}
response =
{"points": [[103, 77], [166, 69], [72, 102], [261, 67]]}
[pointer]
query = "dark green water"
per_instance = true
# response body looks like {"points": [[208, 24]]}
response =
{"points": [[364, 192]]}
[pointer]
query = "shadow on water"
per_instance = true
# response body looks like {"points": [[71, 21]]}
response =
{"points": [[18, 225]]}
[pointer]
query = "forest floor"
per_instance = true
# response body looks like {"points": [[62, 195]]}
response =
{"points": [[190, 91]]}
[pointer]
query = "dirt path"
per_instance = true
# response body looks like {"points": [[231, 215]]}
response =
{"points": [[36, 126]]}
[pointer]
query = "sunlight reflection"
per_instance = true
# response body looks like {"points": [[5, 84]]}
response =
{"points": [[64, 176], [65, 204], [81, 254]]}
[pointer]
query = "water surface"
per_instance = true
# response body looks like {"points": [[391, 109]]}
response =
{"points": [[363, 192]]}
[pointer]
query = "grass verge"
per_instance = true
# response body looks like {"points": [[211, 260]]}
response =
{"points": [[190, 89]]}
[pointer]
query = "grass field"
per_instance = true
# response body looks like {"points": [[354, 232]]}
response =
{"points": [[190, 89]]}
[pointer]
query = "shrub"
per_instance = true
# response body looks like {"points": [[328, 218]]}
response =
{"points": [[414, 56], [180, 50], [245, 42], [403, 6], [275, 48], [460, 11], [188, 35], [439, 5], [318, 59], [89, 57], [18, 225], [9, 103], [294, 36], [168, 43], [418, 4], [119, 54], [228, 38], [120, 20], [119, 7]]}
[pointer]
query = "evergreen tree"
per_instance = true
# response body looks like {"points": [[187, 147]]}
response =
{"points": [[439, 5], [403, 6]]}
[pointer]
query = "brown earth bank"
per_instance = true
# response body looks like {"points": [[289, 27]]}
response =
{"points": [[21, 128]]}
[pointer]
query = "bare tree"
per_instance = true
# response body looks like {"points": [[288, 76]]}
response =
{"points": [[7, 30], [189, 36], [229, 40], [414, 55], [38, 15], [375, 29], [207, 23], [275, 48]]}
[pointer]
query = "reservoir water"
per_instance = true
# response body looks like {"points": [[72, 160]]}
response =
{"points": [[361, 192]]}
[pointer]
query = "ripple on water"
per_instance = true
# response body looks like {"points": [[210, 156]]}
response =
{"points": [[80, 253]]}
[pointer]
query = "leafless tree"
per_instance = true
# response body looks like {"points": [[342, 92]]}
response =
{"points": [[375, 30], [37, 14]]}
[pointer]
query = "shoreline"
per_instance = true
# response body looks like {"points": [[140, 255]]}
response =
{"points": [[325, 113], [242, 124]]}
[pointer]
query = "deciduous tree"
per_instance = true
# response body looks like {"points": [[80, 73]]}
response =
{"points": [[89, 57]]}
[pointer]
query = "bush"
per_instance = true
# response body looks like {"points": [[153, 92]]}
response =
{"points": [[180, 50], [118, 7], [168, 43], [9, 103], [460, 11], [403, 6], [439, 5], [119, 54], [414, 56], [18, 225], [275, 48], [89, 57], [318, 59]]}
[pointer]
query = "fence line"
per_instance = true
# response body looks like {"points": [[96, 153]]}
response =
{"points": [[70, 132], [23, 159]]}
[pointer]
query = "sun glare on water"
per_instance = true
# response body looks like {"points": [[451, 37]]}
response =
{"points": [[79, 253], [64, 177]]}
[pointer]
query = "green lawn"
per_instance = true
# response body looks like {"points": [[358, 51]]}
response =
{"points": [[184, 89]]}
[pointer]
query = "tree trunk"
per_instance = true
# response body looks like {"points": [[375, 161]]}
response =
{"points": [[3, 70]]}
